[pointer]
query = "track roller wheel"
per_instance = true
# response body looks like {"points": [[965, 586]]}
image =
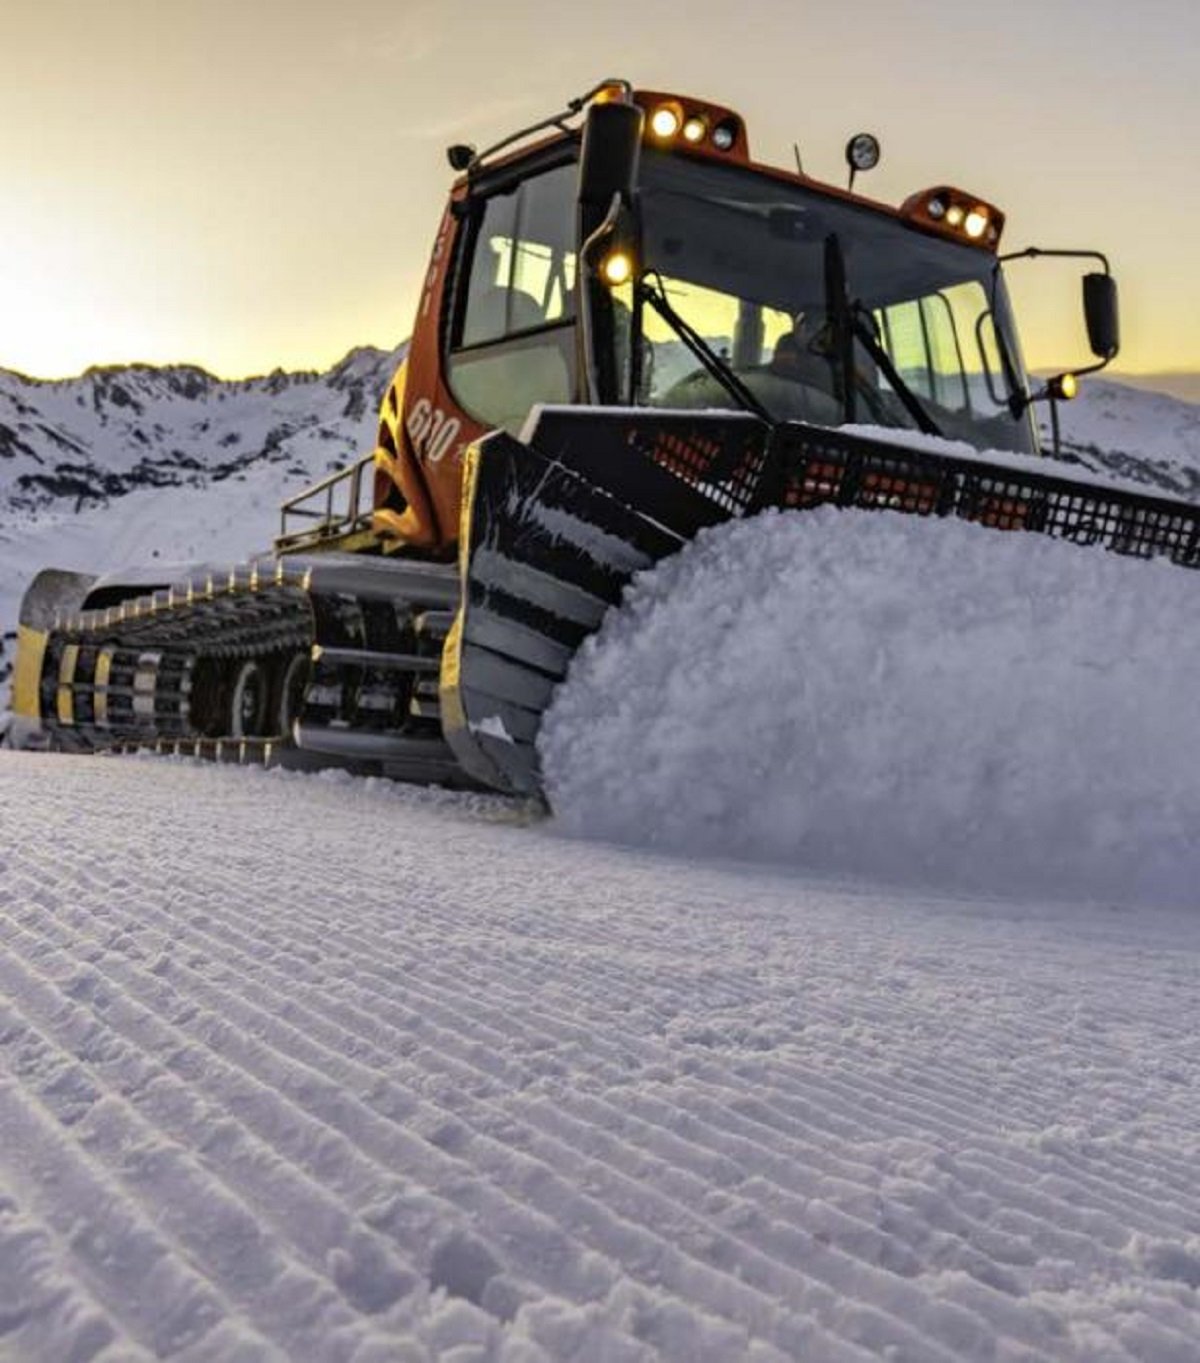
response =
{"points": [[290, 698], [249, 701]]}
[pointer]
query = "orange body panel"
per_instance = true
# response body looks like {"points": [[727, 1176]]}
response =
{"points": [[423, 431]]}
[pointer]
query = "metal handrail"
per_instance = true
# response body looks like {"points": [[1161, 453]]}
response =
{"points": [[330, 522]]}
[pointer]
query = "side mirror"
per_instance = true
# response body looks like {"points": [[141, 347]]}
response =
{"points": [[608, 163], [608, 167], [1101, 314]]}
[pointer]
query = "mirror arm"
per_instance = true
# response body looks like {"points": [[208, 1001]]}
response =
{"points": [[1021, 401], [1036, 252]]}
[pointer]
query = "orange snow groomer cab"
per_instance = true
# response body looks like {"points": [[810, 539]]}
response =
{"points": [[503, 323]]}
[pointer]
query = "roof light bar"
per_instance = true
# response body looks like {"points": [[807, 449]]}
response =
{"points": [[700, 127], [954, 213]]}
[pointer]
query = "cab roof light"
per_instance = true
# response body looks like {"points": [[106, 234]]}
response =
{"points": [[724, 135], [955, 214], [612, 92], [694, 129], [666, 120]]}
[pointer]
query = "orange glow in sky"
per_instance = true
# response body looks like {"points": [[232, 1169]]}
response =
{"points": [[252, 183]]}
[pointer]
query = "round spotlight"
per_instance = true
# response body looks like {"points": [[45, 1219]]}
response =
{"points": [[862, 151], [724, 135], [1066, 386], [954, 215], [617, 268], [936, 208], [975, 223], [665, 121], [694, 129]]}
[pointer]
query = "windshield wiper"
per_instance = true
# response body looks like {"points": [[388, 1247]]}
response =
{"points": [[852, 320], [862, 328], [713, 364]]}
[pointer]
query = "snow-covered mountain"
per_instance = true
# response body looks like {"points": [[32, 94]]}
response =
{"points": [[1145, 436], [1177, 383], [127, 464], [70, 443]]}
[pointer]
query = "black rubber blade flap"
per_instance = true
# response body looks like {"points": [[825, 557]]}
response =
{"points": [[553, 530]]}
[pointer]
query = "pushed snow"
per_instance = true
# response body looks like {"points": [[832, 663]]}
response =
{"points": [[871, 694]]}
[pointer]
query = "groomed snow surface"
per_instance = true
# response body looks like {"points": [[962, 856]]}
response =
{"points": [[922, 700], [304, 1067]]}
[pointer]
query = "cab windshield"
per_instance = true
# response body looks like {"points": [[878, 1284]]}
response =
{"points": [[754, 266]]}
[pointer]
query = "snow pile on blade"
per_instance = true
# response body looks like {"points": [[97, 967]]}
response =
{"points": [[871, 694]]}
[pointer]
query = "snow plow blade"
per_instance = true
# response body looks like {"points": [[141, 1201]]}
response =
{"points": [[555, 526], [552, 531]]}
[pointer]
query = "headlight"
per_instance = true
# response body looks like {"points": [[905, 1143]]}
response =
{"points": [[665, 121], [616, 268]]}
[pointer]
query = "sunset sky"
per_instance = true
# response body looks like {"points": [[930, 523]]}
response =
{"points": [[252, 183]]}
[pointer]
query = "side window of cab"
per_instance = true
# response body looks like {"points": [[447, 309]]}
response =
{"points": [[513, 341]]}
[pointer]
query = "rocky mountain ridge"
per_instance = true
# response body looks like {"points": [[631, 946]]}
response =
{"points": [[66, 444]]}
